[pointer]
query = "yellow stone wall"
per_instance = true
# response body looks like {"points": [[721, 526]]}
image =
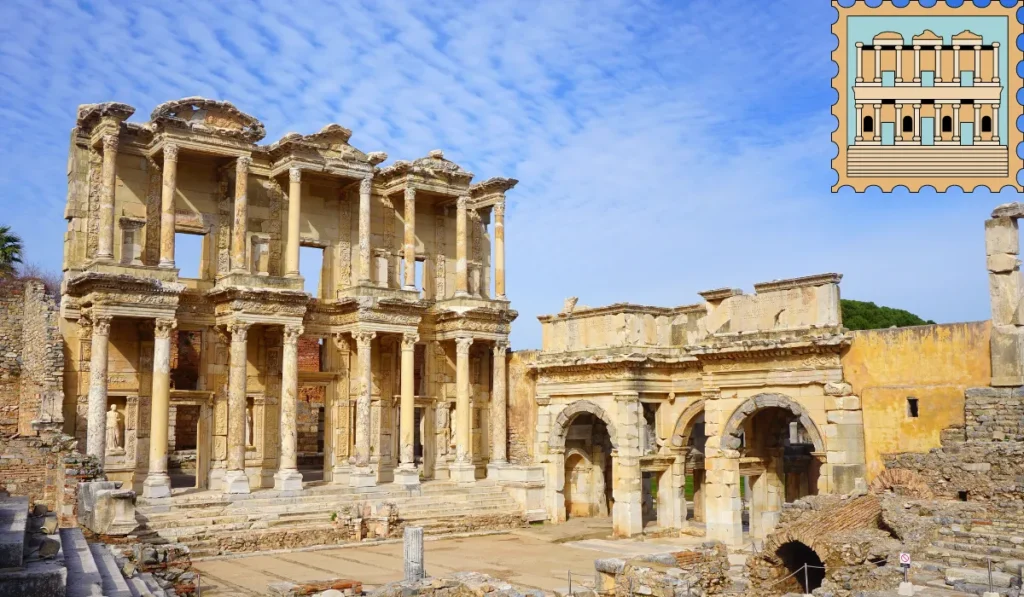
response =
{"points": [[934, 364]]}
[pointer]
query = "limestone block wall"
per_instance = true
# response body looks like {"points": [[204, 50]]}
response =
{"points": [[620, 326], [522, 407], [932, 364]]}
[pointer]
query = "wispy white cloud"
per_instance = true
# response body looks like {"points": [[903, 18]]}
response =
{"points": [[663, 147]]}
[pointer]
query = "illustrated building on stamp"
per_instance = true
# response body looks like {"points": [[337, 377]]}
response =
{"points": [[927, 96]]}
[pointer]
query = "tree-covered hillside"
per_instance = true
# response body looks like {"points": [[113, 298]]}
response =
{"points": [[861, 315]]}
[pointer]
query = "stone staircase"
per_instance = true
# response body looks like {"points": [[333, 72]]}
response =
{"points": [[207, 521], [38, 559], [964, 548]]}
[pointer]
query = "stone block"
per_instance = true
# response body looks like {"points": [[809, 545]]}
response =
{"points": [[838, 388], [1001, 236], [845, 417], [1002, 263], [1004, 295], [1007, 349], [845, 477]]}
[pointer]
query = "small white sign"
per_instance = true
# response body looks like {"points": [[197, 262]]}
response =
{"points": [[904, 559]]}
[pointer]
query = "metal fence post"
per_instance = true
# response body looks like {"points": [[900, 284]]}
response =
{"points": [[807, 583]]}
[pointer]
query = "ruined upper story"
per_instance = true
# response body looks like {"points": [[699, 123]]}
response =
{"points": [[780, 314], [413, 211]]}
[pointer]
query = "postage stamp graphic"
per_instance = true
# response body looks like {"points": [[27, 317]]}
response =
{"points": [[928, 94]]}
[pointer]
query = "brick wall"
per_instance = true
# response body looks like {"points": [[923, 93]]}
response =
{"points": [[186, 353], [307, 412], [309, 353], [186, 420]]}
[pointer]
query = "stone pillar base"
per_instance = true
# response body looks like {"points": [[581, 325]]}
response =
{"points": [[156, 486], [462, 473], [362, 477], [235, 482], [407, 476], [496, 470], [288, 480]]}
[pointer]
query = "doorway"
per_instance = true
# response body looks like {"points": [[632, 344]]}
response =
{"points": [[588, 471], [966, 133], [183, 456], [927, 131]]}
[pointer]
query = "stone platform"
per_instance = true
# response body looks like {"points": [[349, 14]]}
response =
{"points": [[213, 524]]}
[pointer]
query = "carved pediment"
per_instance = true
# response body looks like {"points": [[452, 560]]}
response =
{"points": [[209, 116], [89, 115]]}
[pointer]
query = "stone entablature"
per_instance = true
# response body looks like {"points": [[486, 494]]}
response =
{"points": [[410, 313]]}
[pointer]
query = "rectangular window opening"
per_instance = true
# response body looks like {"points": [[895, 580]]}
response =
{"points": [[912, 408], [188, 254], [311, 265], [419, 275]]}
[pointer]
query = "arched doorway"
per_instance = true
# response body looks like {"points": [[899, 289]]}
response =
{"points": [[588, 471], [795, 556], [779, 444], [689, 438]]}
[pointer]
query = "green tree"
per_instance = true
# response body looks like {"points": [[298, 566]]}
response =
{"points": [[10, 252], [861, 315]]}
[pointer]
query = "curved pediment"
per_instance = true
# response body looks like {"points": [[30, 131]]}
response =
{"points": [[927, 38], [209, 116], [967, 36], [888, 38], [90, 114]]}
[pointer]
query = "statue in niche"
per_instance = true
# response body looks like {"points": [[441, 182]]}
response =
{"points": [[453, 435], [248, 426], [115, 430]]}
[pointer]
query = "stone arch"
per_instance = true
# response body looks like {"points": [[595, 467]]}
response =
{"points": [[684, 424], [903, 482], [733, 428], [561, 426]]}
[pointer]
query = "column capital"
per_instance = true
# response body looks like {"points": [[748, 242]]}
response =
{"points": [[340, 341], [410, 192], [295, 174], [956, 105], [500, 348], [110, 142], [242, 164], [977, 47], [860, 44], [409, 340], [462, 202], [462, 345], [917, 47], [366, 184], [499, 209], [878, 106], [239, 330], [163, 326], [363, 338], [170, 152], [877, 47], [995, 44], [977, 107], [292, 333], [100, 324], [917, 106]]}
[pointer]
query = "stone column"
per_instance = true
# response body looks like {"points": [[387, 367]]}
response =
{"points": [[365, 189], [995, 62], [938, 63], [956, 64], [976, 61], [499, 250], [627, 511], [860, 62], [406, 473], [977, 122], [96, 438], [956, 122], [170, 183], [239, 227], [462, 470], [158, 483], [362, 475], [877, 75], [899, 64], [917, 122], [291, 254], [235, 479], [105, 242], [413, 551], [461, 261], [877, 134], [288, 477], [724, 513], [499, 406], [938, 122], [995, 122], [410, 238], [899, 122], [917, 64], [860, 122]]}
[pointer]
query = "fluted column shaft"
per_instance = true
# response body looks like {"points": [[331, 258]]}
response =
{"points": [[170, 184], [241, 219], [499, 250], [96, 436], [236, 408], [407, 408], [499, 404], [462, 400], [461, 259], [364, 341], [365, 189], [108, 184], [158, 483], [291, 256], [410, 238], [288, 477]]}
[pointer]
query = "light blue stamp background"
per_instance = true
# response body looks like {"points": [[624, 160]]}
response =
{"points": [[865, 28]]}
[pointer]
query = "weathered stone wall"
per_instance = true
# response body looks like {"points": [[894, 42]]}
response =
{"points": [[932, 364], [307, 417], [522, 407], [186, 359], [697, 572]]}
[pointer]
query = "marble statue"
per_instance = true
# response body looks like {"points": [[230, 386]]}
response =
{"points": [[115, 436]]}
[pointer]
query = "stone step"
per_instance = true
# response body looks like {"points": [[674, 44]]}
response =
{"points": [[1004, 553], [13, 518], [152, 585], [994, 538], [83, 576], [138, 587], [977, 576], [114, 584], [330, 492], [38, 577]]}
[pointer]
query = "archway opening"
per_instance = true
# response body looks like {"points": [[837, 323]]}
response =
{"points": [[588, 468], [795, 557]]}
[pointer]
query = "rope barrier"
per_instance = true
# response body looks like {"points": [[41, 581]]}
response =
{"points": [[794, 573]]}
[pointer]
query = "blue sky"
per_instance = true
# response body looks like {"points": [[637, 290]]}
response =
{"points": [[663, 148]]}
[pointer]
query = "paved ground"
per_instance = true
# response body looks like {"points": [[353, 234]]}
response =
{"points": [[536, 557]]}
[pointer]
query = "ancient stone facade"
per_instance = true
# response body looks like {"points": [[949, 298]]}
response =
{"points": [[410, 313]]}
